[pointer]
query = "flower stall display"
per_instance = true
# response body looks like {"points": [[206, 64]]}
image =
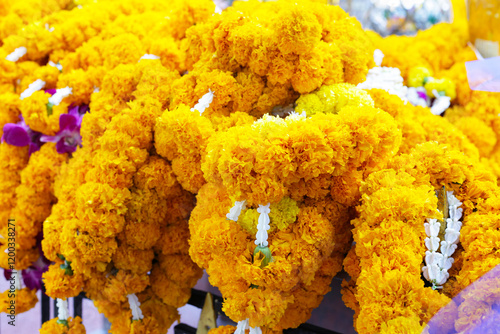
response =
{"points": [[271, 144]]}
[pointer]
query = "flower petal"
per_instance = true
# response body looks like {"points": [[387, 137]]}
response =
{"points": [[14, 134], [67, 121]]}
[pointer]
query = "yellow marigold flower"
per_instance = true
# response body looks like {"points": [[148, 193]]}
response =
{"points": [[418, 76], [36, 115], [52, 326], [351, 264], [424, 49], [9, 109], [267, 306], [98, 203], [402, 324], [282, 214], [173, 239], [445, 86], [62, 285], [479, 133], [181, 132], [146, 325], [155, 81], [152, 306], [13, 159], [331, 99], [25, 299], [228, 329], [248, 220], [297, 30], [135, 260], [235, 119], [118, 286], [170, 292]]}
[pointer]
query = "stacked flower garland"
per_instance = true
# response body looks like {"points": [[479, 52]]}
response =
{"points": [[123, 120], [114, 216]]}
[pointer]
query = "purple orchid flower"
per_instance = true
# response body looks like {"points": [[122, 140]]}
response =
{"points": [[32, 276], [68, 137], [19, 134]]}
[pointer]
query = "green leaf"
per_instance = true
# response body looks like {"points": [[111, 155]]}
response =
{"points": [[266, 254], [49, 108], [63, 322]]}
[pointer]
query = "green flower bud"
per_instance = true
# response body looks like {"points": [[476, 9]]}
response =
{"points": [[266, 254]]}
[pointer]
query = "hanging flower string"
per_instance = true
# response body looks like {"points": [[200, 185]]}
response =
{"points": [[438, 263], [263, 225], [68, 137], [63, 311]]}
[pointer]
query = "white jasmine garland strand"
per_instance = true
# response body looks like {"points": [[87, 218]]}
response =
{"points": [[63, 311], [59, 95], [235, 211], [243, 326], [33, 87], [17, 279], [440, 104], [438, 263], [263, 225], [135, 307], [17, 54], [204, 102]]}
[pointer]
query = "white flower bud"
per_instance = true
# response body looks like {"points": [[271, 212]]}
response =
{"points": [[263, 225], [135, 307], [235, 211], [452, 236], [63, 311], [17, 54], [33, 87], [432, 243], [60, 94], [447, 249], [204, 102]]}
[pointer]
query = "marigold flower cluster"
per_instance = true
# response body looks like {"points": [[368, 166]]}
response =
{"points": [[55, 326], [150, 140], [119, 206], [256, 56], [420, 58]]}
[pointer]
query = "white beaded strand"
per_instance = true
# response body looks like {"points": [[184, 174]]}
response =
{"points": [[438, 263]]}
